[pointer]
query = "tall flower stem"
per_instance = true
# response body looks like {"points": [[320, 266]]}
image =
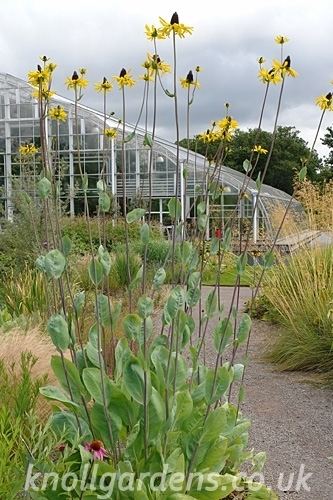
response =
{"points": [[99, 334], [175, 97], [123, 177]]}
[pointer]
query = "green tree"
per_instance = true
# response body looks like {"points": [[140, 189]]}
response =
{"points": [[288, 151]]}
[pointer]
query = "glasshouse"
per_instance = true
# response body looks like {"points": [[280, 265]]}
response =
{"points": [[19, 125]]}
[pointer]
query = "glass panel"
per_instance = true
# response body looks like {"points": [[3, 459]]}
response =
{"points": [[26, 110], [91, 141], [13, 110]]}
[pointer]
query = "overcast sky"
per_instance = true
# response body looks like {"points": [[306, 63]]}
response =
{"points": [[228, 37]]}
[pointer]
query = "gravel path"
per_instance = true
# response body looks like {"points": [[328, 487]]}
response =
{"points": [[291, 420]]}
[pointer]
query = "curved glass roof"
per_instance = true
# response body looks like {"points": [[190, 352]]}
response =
{"points": [[16, 96]]}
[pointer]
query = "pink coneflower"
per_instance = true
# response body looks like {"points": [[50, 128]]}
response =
{"points": [[218, 233], [97, 449]]}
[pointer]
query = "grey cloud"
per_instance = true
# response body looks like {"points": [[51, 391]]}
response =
{"points": [[228, 38]]}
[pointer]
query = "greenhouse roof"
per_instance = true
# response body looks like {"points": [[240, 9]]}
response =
{"points": [[227, 175]]}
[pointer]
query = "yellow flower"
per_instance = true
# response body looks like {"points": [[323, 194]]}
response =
{"points": [[269, 76], [284, 67], [225, 134], [209, 136], [124, 79], [147, 77], [227, 123], [260, 150], [39, 76], [281, 39], [46, 94], [28, 149], [50, 67], [155, 63], [174, 26], [76, 81], [189, 81], [153, 33], [111, 132], [104, 86], [58, 113], [325, 102]]}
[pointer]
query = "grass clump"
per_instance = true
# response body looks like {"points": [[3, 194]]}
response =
{"points": [[299, 291]]}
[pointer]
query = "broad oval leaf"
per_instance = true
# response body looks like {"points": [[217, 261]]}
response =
{"points": [[175, 301], [145, 233], [104, 310], [54, 263], [95, 271], [100, 185], [66, 245], [215, 388], [175, 208], [93, 383], [79, 301], [56, 394], [135, 215], [247, 165], [201, 208], [202, 222], [222, 334], [241, 264], [145, 306], [211, 303], [104, 201], [132, 326], [71, 377], [44, 188], [244, 328], [159, 277], [133, 378], [57, 327], [302, 174]]}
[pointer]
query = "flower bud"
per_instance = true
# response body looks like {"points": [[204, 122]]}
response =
{"points": [[174, 18], [189, 77], [287, 62]]}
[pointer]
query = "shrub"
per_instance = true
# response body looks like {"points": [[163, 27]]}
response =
{"points": [[18, 390], [19, 239], [157, 250], [18, 394], [76, 230], [300, 292]]}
